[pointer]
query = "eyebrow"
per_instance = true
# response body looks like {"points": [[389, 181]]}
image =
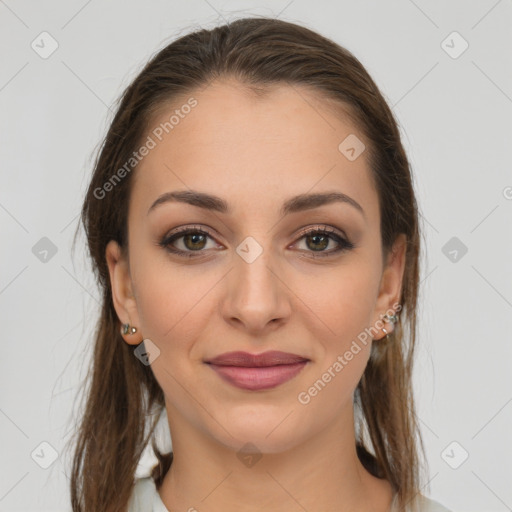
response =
{"points": [[295, 204]]}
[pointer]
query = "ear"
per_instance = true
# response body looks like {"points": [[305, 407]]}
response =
{"points": [[391, 283], [122, 292]]}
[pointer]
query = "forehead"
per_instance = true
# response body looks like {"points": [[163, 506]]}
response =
{"points": [[252, 148]]}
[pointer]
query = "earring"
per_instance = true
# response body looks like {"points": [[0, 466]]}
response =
{"points": [[127, 329], [390, 318]]}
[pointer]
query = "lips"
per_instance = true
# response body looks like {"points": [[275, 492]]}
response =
{"points": [[245, 359], [256, 372]]}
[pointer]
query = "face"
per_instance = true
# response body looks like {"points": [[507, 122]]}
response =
{"points": [[249, 276]]}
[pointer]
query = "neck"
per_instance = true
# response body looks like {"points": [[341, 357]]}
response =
{"points": [[322, 473]]}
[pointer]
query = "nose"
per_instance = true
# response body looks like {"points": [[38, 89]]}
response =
{"points": [[257, 297]]}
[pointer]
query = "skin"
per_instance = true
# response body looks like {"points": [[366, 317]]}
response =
{"points": [[256, 152]]}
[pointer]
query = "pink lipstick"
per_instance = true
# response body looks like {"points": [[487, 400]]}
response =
{"points": [[257, 371]]}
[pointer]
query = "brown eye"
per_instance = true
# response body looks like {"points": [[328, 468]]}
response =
{"points": [[320, 241], [317, 240], [196, 241], [191, 240]]}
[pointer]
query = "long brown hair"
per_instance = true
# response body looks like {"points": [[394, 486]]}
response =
{"points": [[122, 393]]}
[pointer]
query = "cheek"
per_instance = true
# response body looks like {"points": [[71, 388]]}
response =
{"points": [[172, 303], [341, 308], [341, 301], [342, 346]]}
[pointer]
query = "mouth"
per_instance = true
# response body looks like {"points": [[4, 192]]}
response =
{"points": [[257, 371]]}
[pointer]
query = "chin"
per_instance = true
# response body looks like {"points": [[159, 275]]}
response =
{"points": [[266, 434]]}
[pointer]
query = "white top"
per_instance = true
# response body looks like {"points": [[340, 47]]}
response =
{"points": [[145, 498]]}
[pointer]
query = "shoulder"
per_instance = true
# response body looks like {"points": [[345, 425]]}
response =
{"points": [[145, 498], [420, 504], [428, 505], [142, 495]]}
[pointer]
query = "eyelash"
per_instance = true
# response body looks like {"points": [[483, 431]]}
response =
{"points": [[344, 244]]}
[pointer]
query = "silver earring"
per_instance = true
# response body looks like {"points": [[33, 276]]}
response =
{"points": [[127, 329], [390, 318]]}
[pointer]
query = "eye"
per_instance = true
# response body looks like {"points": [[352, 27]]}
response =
{"points": [[194, 240], [318, 239]]}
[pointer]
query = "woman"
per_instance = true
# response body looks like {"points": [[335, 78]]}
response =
{"points": [[253, 225]]}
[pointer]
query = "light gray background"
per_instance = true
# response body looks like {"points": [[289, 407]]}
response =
{"points": [[455, 116]]}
